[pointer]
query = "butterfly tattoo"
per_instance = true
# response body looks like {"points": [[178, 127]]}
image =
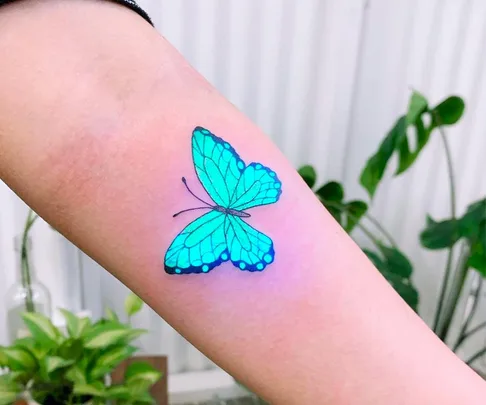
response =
{"points": [[222, 234]]}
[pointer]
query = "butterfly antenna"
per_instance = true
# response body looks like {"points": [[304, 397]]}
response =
{"points": [[190, 209], [194, 195]]}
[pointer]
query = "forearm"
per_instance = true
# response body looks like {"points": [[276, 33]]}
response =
{"points": [[95, 134]]}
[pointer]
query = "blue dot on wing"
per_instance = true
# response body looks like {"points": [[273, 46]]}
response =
{"points": [[204, 131], [224, 256], [272, 174], [267, 258], [259, 266], [205, 268], [178, 271], [277, 185], [258, 166], [226, 145], [241, 165], [242, 265]]}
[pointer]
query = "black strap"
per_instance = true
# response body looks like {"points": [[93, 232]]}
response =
{"points": [[128, 3], [135, 7]]}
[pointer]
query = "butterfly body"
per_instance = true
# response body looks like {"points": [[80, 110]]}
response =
{"points": [[221, 234], [230, 211]]}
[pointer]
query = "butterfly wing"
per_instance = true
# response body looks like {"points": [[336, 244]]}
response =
{"points": [[218, 166], [199, 247], [248, 248], [258, 185]]}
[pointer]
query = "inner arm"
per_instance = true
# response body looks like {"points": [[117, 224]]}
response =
{"points": [[96, 116]]}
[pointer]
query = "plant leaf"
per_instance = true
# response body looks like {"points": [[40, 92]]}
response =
{"points": [[405, 289], [96, 389], [76, 375], [111, 315], [417, 105], [477, 259], [354, 212], [440, 235], [406, 157], [71, 349], [376, 165], [19, 359], [143, 398], [393, 268], [42, 329], [308, 174], [332, 191], [107, 334], [133, 304], [139, 376], [474, 216], [9, 389], [108, 361], [119, 392], [32, 346], [449, 111], [73, 324], [378, 262], [84, 326], [396, 262], [3, 358], [331, 195], [142, 370], [8, 395], [53, 363]]}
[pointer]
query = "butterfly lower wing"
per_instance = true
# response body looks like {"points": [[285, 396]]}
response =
{"points": [[258, 185], [199, 247], [248, 248], [217, 165]]}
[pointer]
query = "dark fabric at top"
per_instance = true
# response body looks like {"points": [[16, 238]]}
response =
{"points": [[128, 3]]}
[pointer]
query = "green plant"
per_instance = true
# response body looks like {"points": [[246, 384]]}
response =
{"points": [[69, 367], [469, 229]]}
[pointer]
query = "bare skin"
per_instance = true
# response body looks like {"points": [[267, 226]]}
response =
{"points": [[96, 114]]}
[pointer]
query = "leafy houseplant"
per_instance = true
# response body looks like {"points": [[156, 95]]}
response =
{"points": [[468, 229], [55, 367]]}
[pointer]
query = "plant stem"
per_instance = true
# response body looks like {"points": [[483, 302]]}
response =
{"points": [[476, 356], [380, 227], [455, 293], [375, 241], [24, 262], [452, 188], [471, 332], [464, 333], [450, 171]]}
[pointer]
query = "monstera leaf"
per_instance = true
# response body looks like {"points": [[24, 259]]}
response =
{"points": [[471, 227], [448, 112]]}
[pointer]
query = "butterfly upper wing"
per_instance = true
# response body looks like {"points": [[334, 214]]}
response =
{"points": [[248, 248], [258, 185], [199, 247], [217, 165]]}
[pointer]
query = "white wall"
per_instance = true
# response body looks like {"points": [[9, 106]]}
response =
{"points": [[325, 79]]}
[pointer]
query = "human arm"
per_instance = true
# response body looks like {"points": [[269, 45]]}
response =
{"points": [[95, 132]]}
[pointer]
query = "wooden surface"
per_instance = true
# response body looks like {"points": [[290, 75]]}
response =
{"points": [[159, 390]]}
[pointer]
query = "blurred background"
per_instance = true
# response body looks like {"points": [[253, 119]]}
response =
{"points": [[325, 80]]}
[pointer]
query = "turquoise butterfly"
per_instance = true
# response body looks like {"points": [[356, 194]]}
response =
{"points": [[222, 234]]}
